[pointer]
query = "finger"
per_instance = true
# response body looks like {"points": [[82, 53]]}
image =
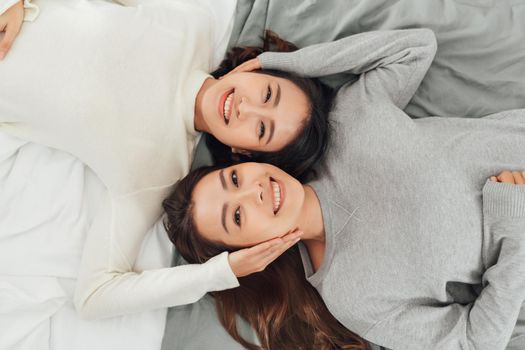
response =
{"points": [[247, 66], [263, 247], [506, 177], [11, 32], [522, 177], [518, 179], [243, 66], [292, 235], [261, 262], [278, 251]]}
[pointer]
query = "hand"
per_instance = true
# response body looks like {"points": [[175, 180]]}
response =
{"points": [[510, 177], [247, 66], [10, 23], [255, 259]]}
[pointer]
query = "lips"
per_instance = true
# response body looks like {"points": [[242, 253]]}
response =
{"points": [[278, 195], [225, 106]]}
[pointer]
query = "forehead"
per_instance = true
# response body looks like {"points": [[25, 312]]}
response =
{"points": [[208, 198], [292, 111]]}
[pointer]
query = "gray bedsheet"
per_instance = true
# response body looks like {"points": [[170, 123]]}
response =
{"points": [[479, 69]]}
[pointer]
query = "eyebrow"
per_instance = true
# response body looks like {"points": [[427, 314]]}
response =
{"points": [[223, 218], [277, 96], [272, 129], [223, 181], [225, 206]]}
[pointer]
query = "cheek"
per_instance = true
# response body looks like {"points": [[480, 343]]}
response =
{"points": [[269, 229], [239, 137]]}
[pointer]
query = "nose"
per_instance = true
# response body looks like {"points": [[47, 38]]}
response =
{"points": [[253, 192], [247, 110]]}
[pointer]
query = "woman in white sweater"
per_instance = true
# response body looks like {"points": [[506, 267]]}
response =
{"points": [[126, 90]]}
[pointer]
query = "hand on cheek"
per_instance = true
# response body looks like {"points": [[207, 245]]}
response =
{"points": [[247, 66], [255, 259]]}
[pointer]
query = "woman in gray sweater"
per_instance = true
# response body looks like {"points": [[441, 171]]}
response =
{"points": [[405, 238]]}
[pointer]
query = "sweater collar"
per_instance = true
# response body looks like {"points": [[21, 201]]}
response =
{"points": [[192, 86], [335, 219]]}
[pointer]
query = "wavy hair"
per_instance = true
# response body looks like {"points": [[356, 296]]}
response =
{"points": [[300, 155], [285, 311]]}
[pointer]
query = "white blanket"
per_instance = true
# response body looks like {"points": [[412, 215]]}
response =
{"points": [[47, 199]]}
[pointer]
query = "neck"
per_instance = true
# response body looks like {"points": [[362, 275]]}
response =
{"points": [[199, 121], [312, 217]]}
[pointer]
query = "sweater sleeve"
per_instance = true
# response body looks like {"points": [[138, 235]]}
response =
{"points": [[30, 9], [488, 322], [107, 285], [392, 63]]}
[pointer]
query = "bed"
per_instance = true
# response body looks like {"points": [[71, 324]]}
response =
{"points": [[47, 197], [479, 69], [47, 202]]}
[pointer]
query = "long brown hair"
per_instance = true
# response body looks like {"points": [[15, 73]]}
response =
{"points": [[300, 156], [281, 306]]}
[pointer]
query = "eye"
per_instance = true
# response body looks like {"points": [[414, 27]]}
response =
{"points": [[262, 130], [268, 94], [237, 216], [234, 178]]}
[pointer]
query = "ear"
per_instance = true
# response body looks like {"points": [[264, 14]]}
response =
{"points": [[241, 151]]}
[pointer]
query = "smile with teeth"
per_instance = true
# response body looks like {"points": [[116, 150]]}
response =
{"points": [[276, 196], [227, 107]]}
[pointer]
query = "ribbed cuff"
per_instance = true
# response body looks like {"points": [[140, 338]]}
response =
{"points": [[502, 199], [277, 60], [222, 276], [31, 11]]}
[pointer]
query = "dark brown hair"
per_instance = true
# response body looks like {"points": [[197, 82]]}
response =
{"points": [[299, 156], [285, 311]]}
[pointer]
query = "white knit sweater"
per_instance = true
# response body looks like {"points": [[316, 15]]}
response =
{"points": [[115, 86]]}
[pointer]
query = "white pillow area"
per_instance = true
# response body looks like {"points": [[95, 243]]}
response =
{"points": [[223, 12], [47, 202]]}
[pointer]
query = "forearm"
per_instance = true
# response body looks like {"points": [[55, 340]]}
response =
{"points": [[107, 285], [488, 322], [395, 62], [107, 294], [494, 314], [354, 54], [485, 324]]}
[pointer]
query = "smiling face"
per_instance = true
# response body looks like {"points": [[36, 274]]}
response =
{"points": [[254, 111], [246, 204]]}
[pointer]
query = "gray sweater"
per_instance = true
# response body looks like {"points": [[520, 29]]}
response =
{"points": [[421, 251]]}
